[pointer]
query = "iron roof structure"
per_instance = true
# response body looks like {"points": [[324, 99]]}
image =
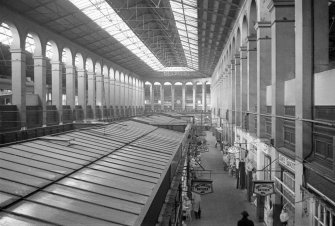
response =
{"points": [[154, 38]]}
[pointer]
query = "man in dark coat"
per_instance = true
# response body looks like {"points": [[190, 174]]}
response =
{"points": [[245, 221]]}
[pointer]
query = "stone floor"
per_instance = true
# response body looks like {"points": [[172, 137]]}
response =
{"points": [[224, 206]]}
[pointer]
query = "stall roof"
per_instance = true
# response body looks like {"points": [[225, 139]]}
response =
{"points": [[96, 176], [160, 120]]}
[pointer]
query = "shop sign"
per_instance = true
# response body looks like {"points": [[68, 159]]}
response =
{"points": [[263, 188], [202, 186], [287, 162]]}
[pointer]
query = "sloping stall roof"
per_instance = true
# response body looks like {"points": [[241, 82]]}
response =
{"points": [[160, 120], [98, 176]]}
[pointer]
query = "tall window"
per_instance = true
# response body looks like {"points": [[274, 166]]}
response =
{"points": [[324, 35], [323, 216]]}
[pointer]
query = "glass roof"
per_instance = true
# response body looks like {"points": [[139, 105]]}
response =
{"points": [[186, 17], [177, 69], [104, 15], [6, 36]]}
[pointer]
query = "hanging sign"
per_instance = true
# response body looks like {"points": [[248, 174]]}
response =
{"points": [[263, 188], [202, 186]]}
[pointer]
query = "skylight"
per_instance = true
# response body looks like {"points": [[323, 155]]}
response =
{"points": [[104, 15], [186, 17], [177, 69]]}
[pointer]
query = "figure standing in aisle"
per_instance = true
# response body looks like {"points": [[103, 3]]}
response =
{"points": [[245, 221], [196, 198]]}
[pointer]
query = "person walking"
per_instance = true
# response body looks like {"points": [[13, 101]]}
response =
{"points": [[196, 205], [245, 221]]}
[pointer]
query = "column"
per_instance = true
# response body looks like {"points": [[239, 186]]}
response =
{"points": [[142, 95], [100, 102], [82, 91], [117, 93], [263, 71], [134, 96], [131, 90], [304, 105], [40, 84], [162, 96], [152, 97], [57, 88], [220, 92], [91, 92], [224, 96], [106, 86], [70, 86], [282, 61], [172, 97], [112, 92], [126, 94], [194, 92], [203, 89], [252, 81], [237, 90], [183, 106], [229, 103], [232, 102], [18, 57], [244, 87], [232, 92], [122, 92]]}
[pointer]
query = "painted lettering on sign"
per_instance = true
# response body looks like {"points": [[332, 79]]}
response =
{"points": [[287, 162], [202, 187], [263, 188]]}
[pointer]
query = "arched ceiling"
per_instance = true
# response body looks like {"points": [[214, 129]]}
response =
{"points": [[151, 20]]}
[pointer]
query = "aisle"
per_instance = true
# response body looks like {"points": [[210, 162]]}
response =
{"points": [[224, 206]]}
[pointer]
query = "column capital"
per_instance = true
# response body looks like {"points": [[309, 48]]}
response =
{"points": [[70, 67], [81, 70], [262, 24], [39, 58], [243, 52], [17, 51], [56, 62], [279, 3], [243, 48], [251, 38]]}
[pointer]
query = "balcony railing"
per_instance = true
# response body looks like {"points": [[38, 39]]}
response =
{"points": [[323, 136], [268, 123]]}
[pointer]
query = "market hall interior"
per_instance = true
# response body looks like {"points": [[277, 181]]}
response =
{"points": [[126, 112]]}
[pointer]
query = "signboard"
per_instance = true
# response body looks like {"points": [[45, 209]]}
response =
{"points": [[263, 188], [202, 186], [287, 162]]}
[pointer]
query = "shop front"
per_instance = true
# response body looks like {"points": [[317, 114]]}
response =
{"points": [[285, 186]]}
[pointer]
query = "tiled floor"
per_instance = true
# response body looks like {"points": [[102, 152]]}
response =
{"points": [[224, 206]]}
